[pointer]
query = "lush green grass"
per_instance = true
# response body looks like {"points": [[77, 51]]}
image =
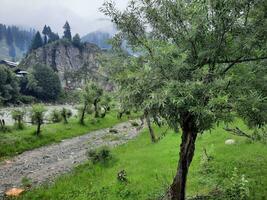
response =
{"points": [[18, 141], [151, 167]]}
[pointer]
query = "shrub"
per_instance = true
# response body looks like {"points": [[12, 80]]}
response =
{"points": [[122, 176], [17, 116], [66, 113], [238, 188], [102, 155], [55, 116]]}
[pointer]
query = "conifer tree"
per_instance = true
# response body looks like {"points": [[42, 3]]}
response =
{"points": [[37, 41], [67, 31]]}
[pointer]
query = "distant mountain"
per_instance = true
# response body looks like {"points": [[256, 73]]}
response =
{"points": [[99, 38], [14, 42]]}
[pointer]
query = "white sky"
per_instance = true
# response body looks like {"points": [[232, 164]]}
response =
{"points": [[83, 15]]}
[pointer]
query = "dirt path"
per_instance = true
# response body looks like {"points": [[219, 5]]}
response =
{"points": [[46, 163]]}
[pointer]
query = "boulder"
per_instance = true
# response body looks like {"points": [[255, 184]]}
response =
{"points": [[229, 141]]}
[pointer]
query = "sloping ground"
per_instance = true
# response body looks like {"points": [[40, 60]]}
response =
{"points": [[151, 167], [44, 164]]}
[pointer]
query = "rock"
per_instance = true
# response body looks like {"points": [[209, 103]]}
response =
{"points": [[230, 141], [14, 192], [67, 59]]}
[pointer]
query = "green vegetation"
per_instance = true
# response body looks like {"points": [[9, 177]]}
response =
{"points": [[9, 90], [17, 141], [149, 168], [197, 66]]}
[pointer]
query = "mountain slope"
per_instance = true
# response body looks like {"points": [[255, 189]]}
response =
{"points": [[74, 65], [99, 38], [14, 42]]}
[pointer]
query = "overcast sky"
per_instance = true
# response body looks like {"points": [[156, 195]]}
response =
{"points": [[83, 15]]}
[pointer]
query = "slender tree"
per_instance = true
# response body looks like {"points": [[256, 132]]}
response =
{"points": [[37, 116], [185, 70]]}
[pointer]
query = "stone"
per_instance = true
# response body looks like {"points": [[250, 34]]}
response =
{"points": [[229, 141], [14, 192]]}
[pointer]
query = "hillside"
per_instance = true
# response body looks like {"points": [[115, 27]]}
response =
{"points": [[73, 64], [14, 42]]}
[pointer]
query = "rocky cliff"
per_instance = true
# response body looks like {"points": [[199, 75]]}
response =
{"points": [[73, 64]]}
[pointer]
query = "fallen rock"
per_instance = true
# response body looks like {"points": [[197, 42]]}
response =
{"points": [[230, 141], [14, 192]]}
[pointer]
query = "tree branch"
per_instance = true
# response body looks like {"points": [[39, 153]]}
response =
{"points": [[238, 60], [238, 132]]}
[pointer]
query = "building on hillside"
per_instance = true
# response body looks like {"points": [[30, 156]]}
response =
{"points": [[13, 66]]}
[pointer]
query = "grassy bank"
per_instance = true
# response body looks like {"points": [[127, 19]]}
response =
{"points": [[151, 167], [18, 141]]}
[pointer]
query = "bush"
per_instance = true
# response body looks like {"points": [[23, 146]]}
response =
{"points": [[55, 116], [238, 188], [102, 155], [27, 99], [65, 114], [18, 116]]}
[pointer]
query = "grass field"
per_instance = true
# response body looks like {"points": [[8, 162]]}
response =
{"points": [[18, 141], [151, 167]]}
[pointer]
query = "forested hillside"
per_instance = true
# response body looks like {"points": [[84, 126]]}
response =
{"points": [[14, 42]]}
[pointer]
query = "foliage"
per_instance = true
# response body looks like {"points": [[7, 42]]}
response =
{"points": [[37, 41], [185, 68], [66, 113], [37, 116], [44, 83], [101, 155], [67, 32], [9, 91], [91, 95], [238, 188], [18, 116], [55, 116], [76, 41]]}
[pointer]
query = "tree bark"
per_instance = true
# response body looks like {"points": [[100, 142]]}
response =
{"points": [[187, 149], [38, 129], [83, 114], [151, 131], [96, 108]]}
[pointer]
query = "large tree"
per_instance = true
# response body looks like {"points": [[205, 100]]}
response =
{"points": [[37, 41], [44, 83], [67, 31], [9, 90], [189, 56]]}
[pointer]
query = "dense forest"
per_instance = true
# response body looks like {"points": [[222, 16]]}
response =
{"points": [[14, 41]]}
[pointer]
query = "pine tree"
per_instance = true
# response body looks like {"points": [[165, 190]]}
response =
{"points": [[37, 41], [45, 33], [12, 51], [9, 36], [67, 32]]}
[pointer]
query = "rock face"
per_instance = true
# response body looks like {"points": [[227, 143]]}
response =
{"points": [[69, 61]]}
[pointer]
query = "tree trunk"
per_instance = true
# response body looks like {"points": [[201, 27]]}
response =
{"points": [[151, 131], [83, 114], [187, 148], [38, 129], [65, 119], [96, 109]]}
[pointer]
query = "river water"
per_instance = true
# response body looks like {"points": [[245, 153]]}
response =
{"points": [[5, 113]]}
